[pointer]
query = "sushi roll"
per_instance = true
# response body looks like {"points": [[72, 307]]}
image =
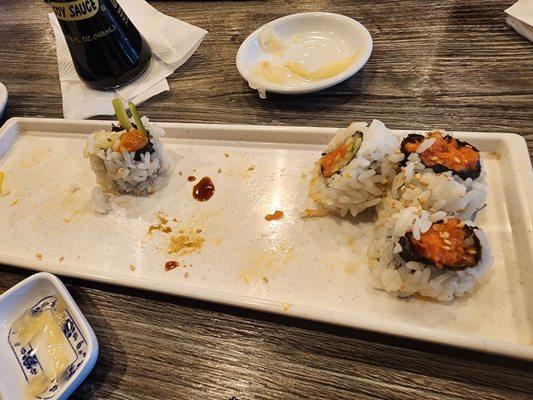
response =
{"points": [[129, 157], [441, 173], [415, 254], [356, 169], [442, 153]]}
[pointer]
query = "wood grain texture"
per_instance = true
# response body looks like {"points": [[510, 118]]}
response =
{"points": [[453, 64]]}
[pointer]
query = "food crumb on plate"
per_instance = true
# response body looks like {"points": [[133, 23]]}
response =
{"points": [[219, 170], [159, 227], [265, 279], [162, 217], [73, 187], [14, 202], [186, 275], [495, 154], [39, 256], [185, 243], [67, 220], [180, 173], [191, 178], [277, 215], [132, 267], [424, 298], [312, 213], [2, 175], [61, 259], [226, 155], [251, 167], [170, 265], [286, 306]]}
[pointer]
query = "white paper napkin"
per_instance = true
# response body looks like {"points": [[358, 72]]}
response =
{"points": [[520, 18], [172, 42]]}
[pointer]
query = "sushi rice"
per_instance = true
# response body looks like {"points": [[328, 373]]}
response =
{"points": [[417, 198], [363, 182], [416, 185], [391, 273], [118, 171]]}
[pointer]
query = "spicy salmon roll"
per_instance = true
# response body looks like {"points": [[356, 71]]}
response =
{"points": [[129, 157], [441, 173], [412, 253], [448, 244], [443, 153], [355, 169]]}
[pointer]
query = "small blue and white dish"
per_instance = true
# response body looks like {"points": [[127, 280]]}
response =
{"points": [[3, 98], [20, 363]]}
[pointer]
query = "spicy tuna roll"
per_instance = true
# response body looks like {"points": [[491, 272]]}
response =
{"points": [[442, 153], [129, 157], [356, 168], [414, 253], [441, 173]]}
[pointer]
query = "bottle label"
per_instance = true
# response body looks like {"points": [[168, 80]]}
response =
{"points": [[75, 10]]}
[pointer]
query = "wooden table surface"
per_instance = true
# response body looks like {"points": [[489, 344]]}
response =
{"points": [[446, 63]]}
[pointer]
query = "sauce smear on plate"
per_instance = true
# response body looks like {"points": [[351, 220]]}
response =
{"points": [[204, 189]]}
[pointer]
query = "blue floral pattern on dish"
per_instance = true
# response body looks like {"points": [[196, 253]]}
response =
{"points": [[28, 360]]}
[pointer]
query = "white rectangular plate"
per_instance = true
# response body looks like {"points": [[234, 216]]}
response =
{"points": [[309, 268]]}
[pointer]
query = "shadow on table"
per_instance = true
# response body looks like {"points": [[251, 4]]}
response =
{"points": [[112, 363], [289, 336], [345, 92], [369, 347]]}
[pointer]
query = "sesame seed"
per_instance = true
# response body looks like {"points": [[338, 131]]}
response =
{"points": [[461, 210], [421, 200], [434, 158], [444, 235], [471, 251], [446, 248], [411, 186], [457, 160], [462, 195], [447, 242], [418, 176]]}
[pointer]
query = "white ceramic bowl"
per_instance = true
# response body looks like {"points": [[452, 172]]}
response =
{"points": [[350, 34], [3, 98], [33, 292]]}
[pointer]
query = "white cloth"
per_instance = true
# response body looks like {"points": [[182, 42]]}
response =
{"points": [[172, 42], [520, 18]]}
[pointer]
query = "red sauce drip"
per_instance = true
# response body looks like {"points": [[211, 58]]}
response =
{"points": [[191, 178], [169, 265], [204, 189]]}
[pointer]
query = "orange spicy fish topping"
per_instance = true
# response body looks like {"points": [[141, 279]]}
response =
{"points": [[444, 244], [446, 151], [329, 161], [132, 140]]}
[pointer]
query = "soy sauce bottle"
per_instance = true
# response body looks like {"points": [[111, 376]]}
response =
{"points": [[106, 48]]}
